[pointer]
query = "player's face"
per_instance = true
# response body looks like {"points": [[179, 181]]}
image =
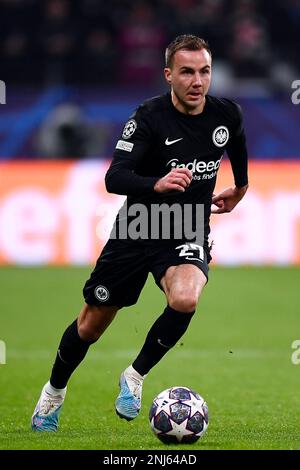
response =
{"points": [[189, 78]]}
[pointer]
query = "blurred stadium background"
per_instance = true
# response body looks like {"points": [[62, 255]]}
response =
{"points": [[74, 71]]}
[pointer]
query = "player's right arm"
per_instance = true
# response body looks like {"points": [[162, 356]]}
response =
{"points": [[131, 150], [177, 179]]}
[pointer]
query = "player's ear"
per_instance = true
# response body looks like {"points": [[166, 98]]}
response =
{"points": [[168, 75]]}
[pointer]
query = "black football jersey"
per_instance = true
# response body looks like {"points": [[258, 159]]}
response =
{"points": [[158, 137]]}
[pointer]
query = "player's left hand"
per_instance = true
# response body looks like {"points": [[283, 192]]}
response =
{"points": [[228, 199]]}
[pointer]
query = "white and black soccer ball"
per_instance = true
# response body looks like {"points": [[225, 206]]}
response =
{"points": [[178, 415]]}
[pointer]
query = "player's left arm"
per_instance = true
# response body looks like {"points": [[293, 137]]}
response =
{"points": [[238, 156], [228, 199]]}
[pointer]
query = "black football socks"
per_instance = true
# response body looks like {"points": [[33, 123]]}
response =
{"points": [[71, 351], [163, 335]]}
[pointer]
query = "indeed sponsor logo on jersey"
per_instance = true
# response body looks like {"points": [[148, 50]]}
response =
{"points": [[201, 170]]}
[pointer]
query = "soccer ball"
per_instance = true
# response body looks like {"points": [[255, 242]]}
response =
{"points": [[178, 415]]}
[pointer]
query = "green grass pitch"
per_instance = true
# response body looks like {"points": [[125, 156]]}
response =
{"points": [[236, 353]]}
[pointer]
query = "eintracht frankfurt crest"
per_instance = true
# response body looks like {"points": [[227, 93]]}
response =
{"points": [[220, 136], [101, 293]]}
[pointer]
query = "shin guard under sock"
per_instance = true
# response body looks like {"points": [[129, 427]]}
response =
{"points": [[71, 351], [163, 335]]}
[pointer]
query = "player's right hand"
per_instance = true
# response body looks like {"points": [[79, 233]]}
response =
{"points": [[177, 179]]}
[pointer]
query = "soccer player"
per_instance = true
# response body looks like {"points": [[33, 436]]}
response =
{"points": [[169, 152]]}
